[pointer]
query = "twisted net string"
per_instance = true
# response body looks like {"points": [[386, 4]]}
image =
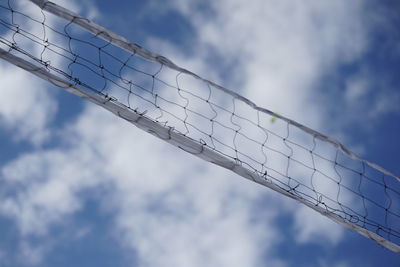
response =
{"points": [[201, 117]]}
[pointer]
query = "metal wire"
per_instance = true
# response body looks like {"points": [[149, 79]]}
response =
{"points": [[202, 118]]}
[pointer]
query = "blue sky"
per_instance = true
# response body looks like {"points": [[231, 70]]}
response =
{"points": [[81, 187]]}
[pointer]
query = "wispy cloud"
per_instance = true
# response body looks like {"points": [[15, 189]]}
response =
{"points": [[283, 49], [26, 107], [160, 205]]}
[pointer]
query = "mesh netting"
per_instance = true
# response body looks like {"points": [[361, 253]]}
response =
{"points": [[201, 117]]}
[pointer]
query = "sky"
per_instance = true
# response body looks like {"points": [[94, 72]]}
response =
{"points": [[79, 186]]}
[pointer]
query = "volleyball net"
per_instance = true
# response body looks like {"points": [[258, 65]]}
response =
{"points": [[201, 117]]}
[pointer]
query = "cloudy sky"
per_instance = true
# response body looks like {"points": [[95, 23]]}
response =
{"points": [[79, 186]]}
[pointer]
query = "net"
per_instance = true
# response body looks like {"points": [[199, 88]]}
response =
{"points": [[201, 117]]}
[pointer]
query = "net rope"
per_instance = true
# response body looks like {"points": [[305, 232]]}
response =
{"points": [[201, 117]]}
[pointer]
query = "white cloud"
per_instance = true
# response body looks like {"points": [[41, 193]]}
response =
{"points": [[169, 214], [44, 187], [86, 8], [31, 255], [283, 49], [367, 99], [323, 263], [26, 107], [311, 227], [3, 256], [356, 88]]}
